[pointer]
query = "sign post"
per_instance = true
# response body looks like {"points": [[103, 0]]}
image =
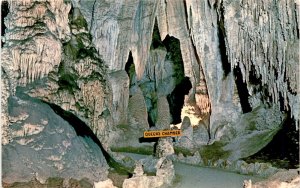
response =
{"points": [[162, 133]]}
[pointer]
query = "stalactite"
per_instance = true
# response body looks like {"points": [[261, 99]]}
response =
{"points": [[34, 50], [270, 33], [201, 96]]}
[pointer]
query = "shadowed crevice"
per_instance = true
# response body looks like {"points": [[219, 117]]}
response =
{"points": [[83, 130], [283, 150], [4, 12], [176, 99], [242, 90], [222, 45]]}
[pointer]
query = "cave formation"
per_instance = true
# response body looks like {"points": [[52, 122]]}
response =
{"points": [[238, 71]]}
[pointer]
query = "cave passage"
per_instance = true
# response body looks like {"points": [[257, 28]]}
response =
{"points": [[283, 150], [183, 84], [176, 99]]}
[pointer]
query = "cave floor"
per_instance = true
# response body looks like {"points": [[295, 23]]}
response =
{"points": [[202, 177], [188, 176]]}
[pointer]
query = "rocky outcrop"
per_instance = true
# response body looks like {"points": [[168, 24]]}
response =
{"points": [[33, 39], [164, 176], [164, 147], [104, 184], [284, 179], [48, 147], [32, 43], [120, 88]]}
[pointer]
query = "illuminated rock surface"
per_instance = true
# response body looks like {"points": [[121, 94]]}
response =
{"points": [[124, 67]]}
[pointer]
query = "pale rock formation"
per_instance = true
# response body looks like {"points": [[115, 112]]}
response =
{"points": [[120, 88], [262, 38], [164, 147], [138, 171], [33, 39], [114, 17], [252, 127], [218, 41], [199, 48], [285, 179], [47, 147], [79, 84], [186, 140], [163, 114], [143, 182], [165, 174], [201, 132], [200, 27], [195, 159], [104, 184], [5, 135], [165, 170], [191, 111], [161, 71], [137, 110]]}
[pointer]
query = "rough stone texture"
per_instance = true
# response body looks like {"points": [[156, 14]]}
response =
{"points": [[194, 160], [59, 60], [165, 170], [186, 140], [200, 27], [255, 130], [120, 88], [143, 182], [262, 37], [164, 147], [163, 114], [283, 179], [79, 85], [138, 170], [5, 135], [51, 182], [33, 36], [107, 21], [201, 133], [137, 110], [104, 184], [47, 147], [165, 174]]}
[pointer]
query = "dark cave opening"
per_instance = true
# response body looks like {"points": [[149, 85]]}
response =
{"points": [[130, 68], [283, 150], [242, 90], [83, 130], [222, 45], [156, 40], [172, 45], [183, 84], [176, 99], [4, 12]]}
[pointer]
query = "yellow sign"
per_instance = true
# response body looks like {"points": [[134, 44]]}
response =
{"points": [[162, 133]]}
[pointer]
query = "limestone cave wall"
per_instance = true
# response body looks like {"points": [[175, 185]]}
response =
{"points": [[229, 68]]}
